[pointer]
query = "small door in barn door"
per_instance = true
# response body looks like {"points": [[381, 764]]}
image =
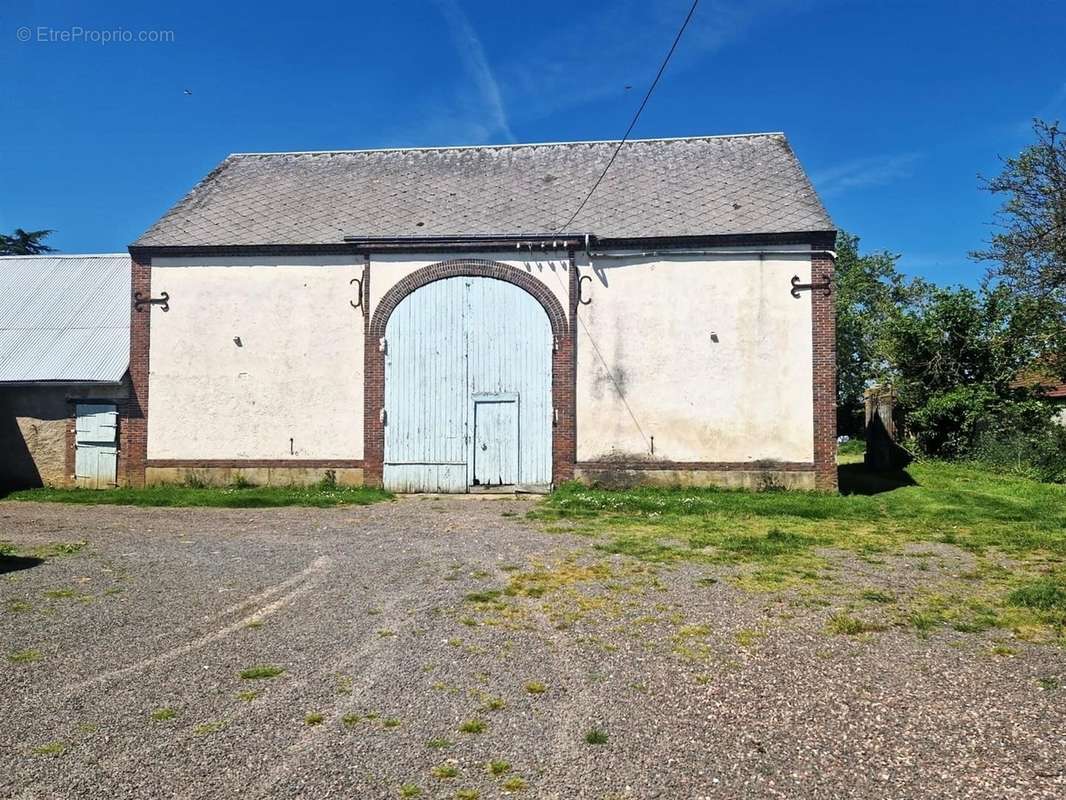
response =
{"points": [[495, 456], [95, 445]]}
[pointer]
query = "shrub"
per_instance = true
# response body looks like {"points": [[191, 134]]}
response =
{"points": [[1037, 452]]}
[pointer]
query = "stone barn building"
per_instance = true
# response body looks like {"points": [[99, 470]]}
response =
{"points": [[429, 320], [64, 350]]}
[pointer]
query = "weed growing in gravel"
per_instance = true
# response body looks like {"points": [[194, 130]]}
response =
{"points": [[350, 720], [384, 633], [313, 718], [24, 657], [498, 768], [391, 723], [60, 594], [596, 736], [261, 672], [445, 772], [438, 744], [52, 749], [876, 596], [1003, 650], [746, 637], [163, 714], [494, 704], [410, 790], [536, 687], [467, 794], [255, 624], [1046, 594], [842, 624], [486, 596], [472, 726], [248, 695], [514, 784], [18, 606], [1048, 683], [208, 727]]}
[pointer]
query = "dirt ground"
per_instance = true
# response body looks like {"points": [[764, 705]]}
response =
{"points": [[447, 648]]}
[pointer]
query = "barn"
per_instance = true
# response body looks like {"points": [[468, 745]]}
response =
{"points": [[454, 319], [64, 353]]}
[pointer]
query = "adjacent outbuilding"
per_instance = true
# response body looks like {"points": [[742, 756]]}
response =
{"points": [[64, 359], [453, 319]]}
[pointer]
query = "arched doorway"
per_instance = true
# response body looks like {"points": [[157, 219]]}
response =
{"points": [[467, 388]]}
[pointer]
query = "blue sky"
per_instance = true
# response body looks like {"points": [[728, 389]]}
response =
{"points": [[893, 107]]}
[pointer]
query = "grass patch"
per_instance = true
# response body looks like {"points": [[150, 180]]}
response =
{"points": [[842, 624], [1011, 530], [445, 772], [51, 749], [596, 736], [248, 695], [438, 744], [472, 726], [498, 768], [410, 790], [1048, 683], [205, 728], [514, 784], [321, 495], [261, 672], [536, 687], [25, 657], [164, 714], [467, 794], [18, 606], [391, 723], [313, 718], [350, 720]]}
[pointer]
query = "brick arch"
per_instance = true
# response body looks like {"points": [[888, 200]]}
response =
{"points": [[563, 447]]}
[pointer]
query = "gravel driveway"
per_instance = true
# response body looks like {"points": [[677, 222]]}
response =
{"points": [[419, 641]]}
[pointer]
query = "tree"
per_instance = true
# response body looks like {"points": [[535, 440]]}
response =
{"points": [[870, 292], [24, 243], [1029, 249], [955, 360]]}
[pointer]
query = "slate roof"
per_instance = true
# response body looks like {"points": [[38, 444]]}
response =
{"points": [[64, 318], [656, 188]]}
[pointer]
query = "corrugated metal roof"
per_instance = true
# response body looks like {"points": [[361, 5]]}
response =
{"points": [[64, 318], [697, 186]]}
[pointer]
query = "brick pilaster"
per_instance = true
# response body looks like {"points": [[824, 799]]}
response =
{"points": [[823, 319]]}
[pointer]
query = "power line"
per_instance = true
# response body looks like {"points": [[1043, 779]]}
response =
{"points": [[636, 116]]}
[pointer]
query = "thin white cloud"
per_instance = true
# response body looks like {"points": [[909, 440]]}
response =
{"points": [[862, 172], [476, 64]]}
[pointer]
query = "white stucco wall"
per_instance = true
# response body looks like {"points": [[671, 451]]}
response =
{"points": [[711, 356], [551, 268], [298, 372]]}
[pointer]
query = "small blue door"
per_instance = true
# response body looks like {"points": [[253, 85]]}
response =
{"points": [[95, 445], [495, 455], [467, 388]]}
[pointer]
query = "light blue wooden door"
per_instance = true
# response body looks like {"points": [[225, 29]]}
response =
{"points": [[448, 344], [95, 445], [495, 455]]}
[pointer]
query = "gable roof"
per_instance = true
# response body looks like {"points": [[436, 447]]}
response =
{"points": [[708, 185], [64, 318]]}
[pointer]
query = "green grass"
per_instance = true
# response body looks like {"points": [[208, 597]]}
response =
{"points": [[514, 784], [313, 718], [222, 497], [596, 736], [498, 768], [164, 714], [52, 749], [24, 657], [438, 744], [536, 687], [472, 726], [445, 772], [410, 790], [1012, 529], [261, 672], [467, 794], [847, 625]]}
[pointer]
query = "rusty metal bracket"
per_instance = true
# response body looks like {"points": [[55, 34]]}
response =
{"points": [[360, 282], [583, 278], [797, 287], [139, 302]]}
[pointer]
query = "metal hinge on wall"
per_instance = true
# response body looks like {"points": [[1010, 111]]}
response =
{"points": [[162, 300], [826, 286]]}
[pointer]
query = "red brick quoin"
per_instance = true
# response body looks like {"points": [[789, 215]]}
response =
{"points": [[563, 448], [823, 319]]}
